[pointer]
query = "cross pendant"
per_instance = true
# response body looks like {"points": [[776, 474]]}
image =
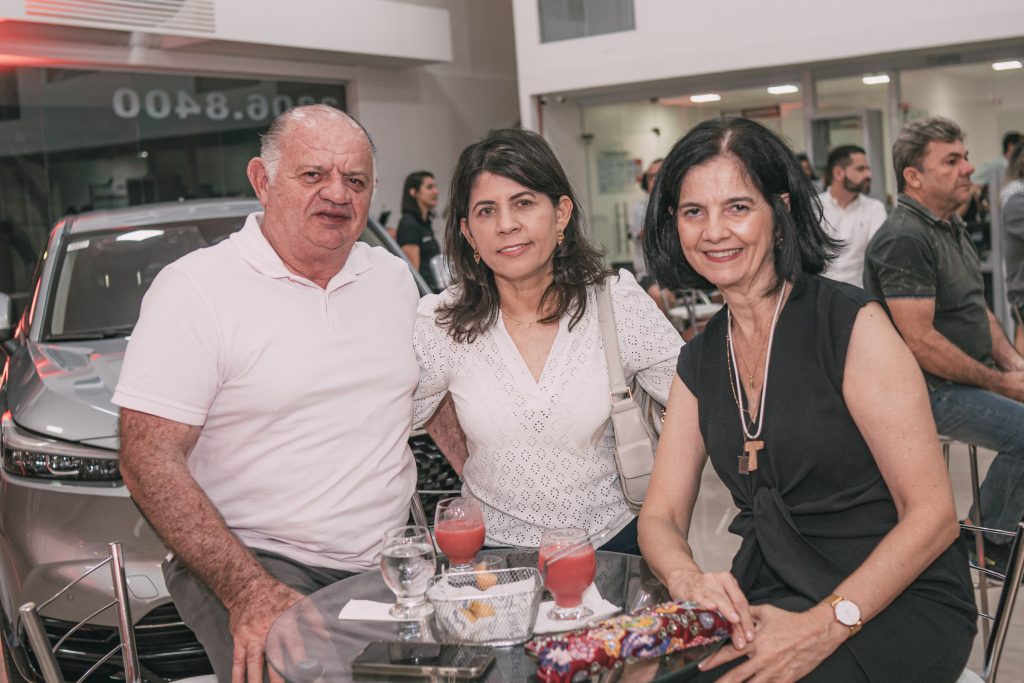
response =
{"points": [[748, 461]]}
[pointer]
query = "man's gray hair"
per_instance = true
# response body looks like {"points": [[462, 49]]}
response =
{"points": [[909, 149], [270, 142]]}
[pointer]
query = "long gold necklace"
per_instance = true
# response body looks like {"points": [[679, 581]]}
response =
{"points": [[752, 444]]}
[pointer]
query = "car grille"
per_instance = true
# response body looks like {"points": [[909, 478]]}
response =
{"points": [[167, 648], [435, 478]]}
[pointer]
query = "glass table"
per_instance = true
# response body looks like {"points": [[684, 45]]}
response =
{"points": [[308, 642]]}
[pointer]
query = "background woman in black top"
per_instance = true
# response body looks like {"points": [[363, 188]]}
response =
{"points": [[815, 416], [415, 234]]}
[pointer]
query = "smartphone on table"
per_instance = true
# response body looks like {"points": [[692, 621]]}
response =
{"points": [[423, 659]]}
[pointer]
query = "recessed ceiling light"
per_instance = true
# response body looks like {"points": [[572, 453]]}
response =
{"points": [[706, 97], [1010, 64], [782, 89], [875, 79]]}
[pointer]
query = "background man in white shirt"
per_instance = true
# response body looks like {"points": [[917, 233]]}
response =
{"points": [[266, 395], [849, 214]]}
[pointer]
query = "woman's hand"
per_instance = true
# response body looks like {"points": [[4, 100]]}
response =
{"points": [[789, 645], [720, 592]]}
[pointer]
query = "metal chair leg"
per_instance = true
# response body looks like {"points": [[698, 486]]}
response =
{"points": [[979, 537], [419, 514], [129, 652]]}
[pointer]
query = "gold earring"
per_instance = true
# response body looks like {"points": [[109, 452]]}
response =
{"points": [[560, 237], [476, 256]]}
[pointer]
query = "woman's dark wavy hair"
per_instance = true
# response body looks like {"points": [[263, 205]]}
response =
{"points": [[801, 243], [414, 181], [526, 158]]}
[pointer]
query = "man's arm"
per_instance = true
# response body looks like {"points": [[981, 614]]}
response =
{"points": [[154, 451], [445, 430], [1005, 355], [937, 355]]}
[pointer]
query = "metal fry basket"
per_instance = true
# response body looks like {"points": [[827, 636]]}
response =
{"points": [[497, 607]]}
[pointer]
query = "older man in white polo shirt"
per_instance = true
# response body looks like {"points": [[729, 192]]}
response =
{"points": [[849, 214], [267, 395]]}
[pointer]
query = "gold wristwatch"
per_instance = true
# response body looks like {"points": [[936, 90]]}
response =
{"points": [[846, 611]]}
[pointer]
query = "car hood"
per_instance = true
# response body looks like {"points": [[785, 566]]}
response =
{"points": [[63, 390]]}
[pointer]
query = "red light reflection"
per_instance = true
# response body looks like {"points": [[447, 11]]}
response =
{"points": [[24, 60]]}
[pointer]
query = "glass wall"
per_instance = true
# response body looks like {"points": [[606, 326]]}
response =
{"points": [[622, 139], [76, 140], [987, 103], [854, 110]]}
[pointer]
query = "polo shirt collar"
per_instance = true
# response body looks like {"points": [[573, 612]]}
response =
{"points": [[927, 216], [257, 252]]}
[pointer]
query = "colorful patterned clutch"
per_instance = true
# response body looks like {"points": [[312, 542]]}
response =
{"points": [[660, 630]]}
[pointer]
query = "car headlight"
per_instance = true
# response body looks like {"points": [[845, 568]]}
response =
{"points": [[30, 455]]}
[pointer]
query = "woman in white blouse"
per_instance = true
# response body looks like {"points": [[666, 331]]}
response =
{"points": [[516, 341]]}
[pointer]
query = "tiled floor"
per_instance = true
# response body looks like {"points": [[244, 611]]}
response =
{"points": [[714, 547]]}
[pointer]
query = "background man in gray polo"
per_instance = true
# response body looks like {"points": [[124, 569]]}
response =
{"points": [[924, 265]]}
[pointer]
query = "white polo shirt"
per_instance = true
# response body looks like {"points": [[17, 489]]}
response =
{"points": [[304, 394], [855, 225]]}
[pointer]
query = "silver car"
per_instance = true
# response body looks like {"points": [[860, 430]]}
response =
{"points": [[62, 497]]}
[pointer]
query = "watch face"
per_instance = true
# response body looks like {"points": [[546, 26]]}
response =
{"points": [[847, 613]]}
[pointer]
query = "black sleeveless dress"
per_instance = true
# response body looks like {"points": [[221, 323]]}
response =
{"points": [[817, 505]]}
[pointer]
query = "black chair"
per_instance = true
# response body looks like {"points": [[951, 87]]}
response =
{"points": [[1000, 621]]}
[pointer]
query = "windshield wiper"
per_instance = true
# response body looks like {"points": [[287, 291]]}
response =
{"points": [[92, 335]]}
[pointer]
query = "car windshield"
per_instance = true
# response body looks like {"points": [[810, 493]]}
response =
{"points": [[102, 277]]}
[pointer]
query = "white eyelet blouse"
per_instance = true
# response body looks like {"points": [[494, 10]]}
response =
{"points": [[541, 452]]}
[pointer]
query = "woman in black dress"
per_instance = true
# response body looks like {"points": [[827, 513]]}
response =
{"points": [[415, 233], [815, 415]]}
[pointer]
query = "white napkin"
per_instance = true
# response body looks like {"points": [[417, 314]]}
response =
{"points": [[367, 610], [591, 598]]}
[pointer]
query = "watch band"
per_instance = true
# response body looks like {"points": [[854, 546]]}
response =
{"points": [[833, 600]]}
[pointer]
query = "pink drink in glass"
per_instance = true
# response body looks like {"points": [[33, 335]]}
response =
{"points": [[569, 577], [460, 539], [567, 559], [460, 531]]}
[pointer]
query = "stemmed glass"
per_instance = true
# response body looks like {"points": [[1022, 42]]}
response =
{"points": [[459, 529], [568, 563], [407, 563]]}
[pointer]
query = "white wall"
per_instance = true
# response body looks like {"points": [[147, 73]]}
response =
{"points": [[382, 28], [679, 39], [422, 118]]}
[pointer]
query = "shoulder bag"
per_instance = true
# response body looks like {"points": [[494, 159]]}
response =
{"points": [[636, 417]]}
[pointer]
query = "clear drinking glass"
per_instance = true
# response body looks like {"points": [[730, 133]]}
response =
{"points": [[459, 530], [407, 563], [567, 560]]}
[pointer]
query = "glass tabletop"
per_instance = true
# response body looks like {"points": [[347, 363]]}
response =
{"points": [[308, 642]]}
